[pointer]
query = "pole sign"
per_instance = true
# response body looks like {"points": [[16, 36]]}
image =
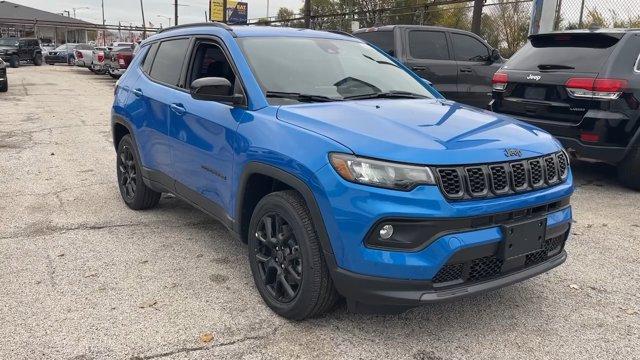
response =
{"points": [[216, 10], [237, 11]]}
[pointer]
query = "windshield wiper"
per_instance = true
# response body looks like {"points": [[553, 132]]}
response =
{"points": [[300, 97], [379, 61], [388, 94], [555, 67]]}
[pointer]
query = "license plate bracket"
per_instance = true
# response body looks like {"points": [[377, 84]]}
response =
{"points": [[523, 237], [535, 93]]}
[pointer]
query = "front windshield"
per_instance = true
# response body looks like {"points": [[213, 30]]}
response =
{"points": [[9, 42], [335, 69]]}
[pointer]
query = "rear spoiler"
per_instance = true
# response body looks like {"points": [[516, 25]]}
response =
{"points": [[576, 39]]}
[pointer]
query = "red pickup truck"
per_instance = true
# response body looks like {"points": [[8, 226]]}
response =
{"points": [[117, 61]]}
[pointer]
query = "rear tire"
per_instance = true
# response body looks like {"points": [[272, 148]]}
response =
{"points": [[4, 86], [37, 60], [133, 190], [288, 265], [629, 170], [14, 62]]}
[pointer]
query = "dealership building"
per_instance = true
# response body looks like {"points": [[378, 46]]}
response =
{"points": [[23, 21]]}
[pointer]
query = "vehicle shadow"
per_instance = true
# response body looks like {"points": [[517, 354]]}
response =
{"points": [[595, 174]]}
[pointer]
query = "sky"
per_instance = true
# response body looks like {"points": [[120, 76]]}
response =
{"points": [[128, 11]]}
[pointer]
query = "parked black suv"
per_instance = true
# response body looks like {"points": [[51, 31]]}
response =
{"points": [[4, 82], [458, 63], [14, 50], [582, 86]]}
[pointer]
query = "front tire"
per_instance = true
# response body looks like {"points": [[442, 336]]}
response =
{"points": [[629, 170], [37, 60], [286, 258], [4, 86], [135, 193]]}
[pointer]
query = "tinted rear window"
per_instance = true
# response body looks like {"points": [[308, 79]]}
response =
{"points": [[428, 45], [381, 39], [582, 52], [167, 64]]}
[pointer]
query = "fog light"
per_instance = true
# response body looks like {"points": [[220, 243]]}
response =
{"points": [[386, 232]]}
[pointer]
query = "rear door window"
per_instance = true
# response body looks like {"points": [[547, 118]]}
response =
{"points": [[381, 39], [428, 45], [167, 65], [467, 48], [567, 52], [148, 59]]}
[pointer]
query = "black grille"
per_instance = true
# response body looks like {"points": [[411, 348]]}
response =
{"points": [[537, 176], [519, 176], [488, 267], [485, 268], [550, 247], [477, 181], [551, 169], [501, 179], [451, 182], [451, 272], [563, 164]]}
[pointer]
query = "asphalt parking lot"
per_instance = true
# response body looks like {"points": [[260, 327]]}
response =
{"points": [[84, 277]]}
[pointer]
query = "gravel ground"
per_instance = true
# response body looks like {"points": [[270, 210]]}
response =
{"points": [[84, 277]]}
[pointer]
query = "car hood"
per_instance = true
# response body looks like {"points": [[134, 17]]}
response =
{"points": [[434, 132]]}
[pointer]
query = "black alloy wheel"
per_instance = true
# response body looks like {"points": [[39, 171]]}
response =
{"points": [[128, 174], [135, 193], [286, 258], [279, 259]]}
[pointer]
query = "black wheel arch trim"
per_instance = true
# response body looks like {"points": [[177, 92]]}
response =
{"points": [[120, 120], [255, 167]]}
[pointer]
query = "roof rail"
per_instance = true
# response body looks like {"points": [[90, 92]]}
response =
{"points": [[184, 26], [340, 32]]}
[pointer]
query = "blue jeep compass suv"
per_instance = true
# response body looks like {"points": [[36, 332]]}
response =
{"points": [[345, 173]]}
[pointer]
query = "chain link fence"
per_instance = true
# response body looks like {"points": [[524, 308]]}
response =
{"points": [[576, 14], [505, 23]]}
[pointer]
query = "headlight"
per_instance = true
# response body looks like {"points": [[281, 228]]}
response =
{"points": [[381, 173]]}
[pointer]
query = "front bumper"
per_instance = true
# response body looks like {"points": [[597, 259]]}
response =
{"points": [[56, 59], [361, 289]]}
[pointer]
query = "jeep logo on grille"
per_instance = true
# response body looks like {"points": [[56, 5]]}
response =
{"points": [[534, 77], [512, 152]]}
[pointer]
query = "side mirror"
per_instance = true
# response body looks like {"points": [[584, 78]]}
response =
{"points": [[215, 89], [495, 55]]}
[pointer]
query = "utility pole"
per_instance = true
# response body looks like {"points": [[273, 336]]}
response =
{"points": [[476, 22], [176, 12], [144, 22], [104, 31], [267, 9], [307, 14], [581, 14], [224, 11]]}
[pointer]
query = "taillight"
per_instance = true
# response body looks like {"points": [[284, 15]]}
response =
{"points": [[592, 88], [100, 56], [500, 81], [79, 55], [121, 61]]}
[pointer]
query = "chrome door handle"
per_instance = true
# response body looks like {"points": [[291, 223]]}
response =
{"points": [[137, 92]]}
